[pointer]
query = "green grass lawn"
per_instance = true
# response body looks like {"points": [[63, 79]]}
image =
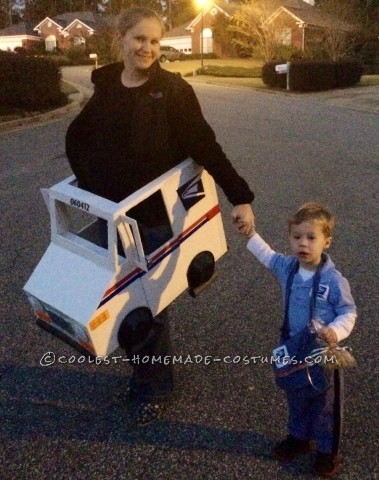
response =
{"points": [[187, 67]]}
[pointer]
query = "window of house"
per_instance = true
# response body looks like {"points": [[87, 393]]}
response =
{"points": [[284, 36], [79, 41], [50, 43]]}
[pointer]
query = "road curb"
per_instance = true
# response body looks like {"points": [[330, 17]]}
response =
{"points": [[75, 104]]}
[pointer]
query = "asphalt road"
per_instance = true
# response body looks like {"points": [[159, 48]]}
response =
{"points": [[65, 421]]}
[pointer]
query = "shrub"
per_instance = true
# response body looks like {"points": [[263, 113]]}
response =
{"points": [[29, 83], [347, 73], [287, 53], [311, 75], [78, 55], [271, 78], [239, 72], [197, 56]]}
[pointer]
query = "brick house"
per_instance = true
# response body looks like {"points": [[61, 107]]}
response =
{"points": [[296, 23], [70, 29], [187, 37], [299, 24], [20, 35]]}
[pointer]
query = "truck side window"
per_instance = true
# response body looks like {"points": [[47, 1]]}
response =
{"points": [[153, 222]]}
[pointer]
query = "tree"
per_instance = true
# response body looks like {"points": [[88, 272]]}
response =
{"points": [[37, 10], [340, 35], [222, 35], [247, 26], [114, 7], [9, 13]]}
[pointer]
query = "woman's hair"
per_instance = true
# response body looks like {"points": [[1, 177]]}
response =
{"points": [[316, 212], [131, 17]]}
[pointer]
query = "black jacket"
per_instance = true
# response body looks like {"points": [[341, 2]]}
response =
{"points": [[114, 154]]}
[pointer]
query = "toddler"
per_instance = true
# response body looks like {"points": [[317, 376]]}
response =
{"points": [[313, 415]]}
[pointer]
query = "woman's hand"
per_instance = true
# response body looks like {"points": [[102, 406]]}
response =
{"points": [[243, 218]]}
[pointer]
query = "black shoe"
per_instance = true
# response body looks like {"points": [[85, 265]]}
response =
{"points": [[290, 448], [148, 413], [326, 464]]}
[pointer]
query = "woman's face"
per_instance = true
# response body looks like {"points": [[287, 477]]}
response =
{"points": [[140, 44]]}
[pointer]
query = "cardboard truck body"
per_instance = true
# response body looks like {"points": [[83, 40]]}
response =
{"points": [[86, 283]]}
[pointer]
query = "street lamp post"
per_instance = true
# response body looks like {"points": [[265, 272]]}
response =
{"points": [[202, 38], [202, 4]]}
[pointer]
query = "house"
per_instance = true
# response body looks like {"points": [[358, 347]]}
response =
{"points": [[19, 35], [299, 24], [179, 38], [188, 37], [70, 29]]}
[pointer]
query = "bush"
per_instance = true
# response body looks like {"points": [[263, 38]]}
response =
{"points": [[271, 78], [287, 53], [197, 56], [78, 55], [312, 76], [238, 72], [347, 73], [29, 83]]}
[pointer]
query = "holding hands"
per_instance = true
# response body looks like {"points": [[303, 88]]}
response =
{"points": [[243, 219]]}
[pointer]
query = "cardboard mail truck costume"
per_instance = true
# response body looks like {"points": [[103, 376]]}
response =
{"points": [[84, 288]]}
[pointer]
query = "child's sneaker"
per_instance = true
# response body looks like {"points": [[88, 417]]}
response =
{"points": [[290, 448], [326, 464]]}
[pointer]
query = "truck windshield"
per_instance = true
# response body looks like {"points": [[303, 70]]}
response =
{"points": [[76, 223]]}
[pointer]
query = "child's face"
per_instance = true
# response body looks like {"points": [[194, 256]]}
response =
{"points": [[308, 242]]}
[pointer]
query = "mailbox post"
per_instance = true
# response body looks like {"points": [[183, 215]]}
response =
{"points": [[284, 68], [94, 56]]}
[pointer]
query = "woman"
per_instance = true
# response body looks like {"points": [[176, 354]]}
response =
{"points": [[140, 122]]}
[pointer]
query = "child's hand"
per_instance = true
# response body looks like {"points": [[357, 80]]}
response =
{"points": [[329, 335]]}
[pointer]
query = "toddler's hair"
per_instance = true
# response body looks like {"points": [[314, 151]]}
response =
{"points": [[314, 211]]}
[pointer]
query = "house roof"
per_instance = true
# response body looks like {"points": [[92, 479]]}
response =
{"points": [[223, 7], [179, 31], [23, 28], [91, 19], [305, 13]]}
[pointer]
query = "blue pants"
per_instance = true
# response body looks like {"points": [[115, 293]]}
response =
{"points": [[318, 416]]}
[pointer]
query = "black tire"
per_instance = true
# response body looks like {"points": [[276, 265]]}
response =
{"points": [[200, 270], [163, 59]]}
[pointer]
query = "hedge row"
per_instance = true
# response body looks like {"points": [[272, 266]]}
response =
{"points": [[29, 83], [312, 75]]}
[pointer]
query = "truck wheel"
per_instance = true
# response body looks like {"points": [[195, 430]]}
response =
{"points": [[135, 330], [200, 272], [163, 58]]}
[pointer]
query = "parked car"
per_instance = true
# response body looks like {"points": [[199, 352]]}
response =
{"points": [[170, 54]]}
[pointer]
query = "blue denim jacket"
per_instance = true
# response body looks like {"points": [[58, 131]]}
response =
{"points": [[333, 296]]}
